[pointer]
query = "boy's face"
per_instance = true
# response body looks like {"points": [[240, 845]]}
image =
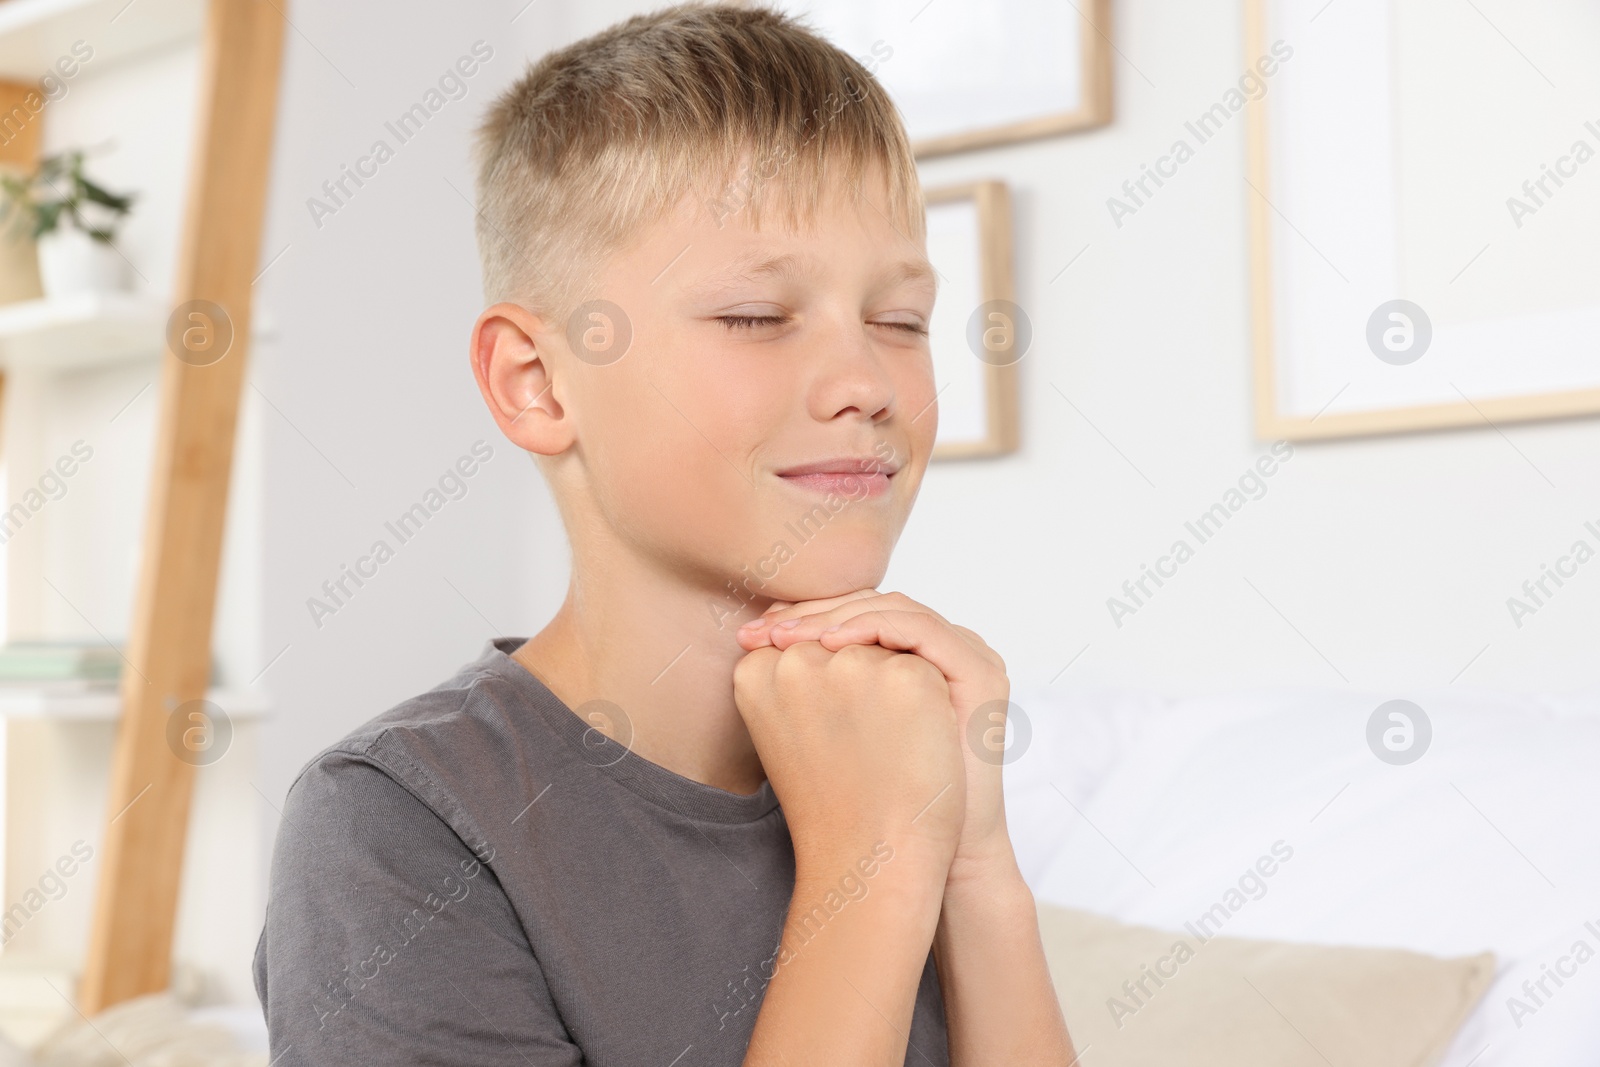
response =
{"points": [[771, 417]]}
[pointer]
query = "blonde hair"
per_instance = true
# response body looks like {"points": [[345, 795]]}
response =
{"points": [[600, 139]]}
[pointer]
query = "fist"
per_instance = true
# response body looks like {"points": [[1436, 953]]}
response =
{"points": [[859, 744]]}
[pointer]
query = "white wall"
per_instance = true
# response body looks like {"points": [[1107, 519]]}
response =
{"points": [[371, 398], [1379, 564]]}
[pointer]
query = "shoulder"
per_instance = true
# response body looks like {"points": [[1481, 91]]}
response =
{"points": [[346, 801], [353, 841], [463, 749], [382, 925], [437, 718]]}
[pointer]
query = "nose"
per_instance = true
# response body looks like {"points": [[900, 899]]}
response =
{"points": [[851, 376]]}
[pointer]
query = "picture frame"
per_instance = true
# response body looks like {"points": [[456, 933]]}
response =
{"points": [[933, 60], [978, 335], [1372, 311]]}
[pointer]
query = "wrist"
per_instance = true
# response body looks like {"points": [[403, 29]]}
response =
{"points": [[906, 868], [986, 865], [897, 892], [991, 896], [989, 883]]}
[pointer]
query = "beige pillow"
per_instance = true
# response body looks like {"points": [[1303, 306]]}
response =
{"points": [[1231, 1002]]}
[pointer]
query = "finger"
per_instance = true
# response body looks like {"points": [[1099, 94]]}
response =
{"points": [[972, 677], [788, 631], [755, 633], [838, 609], [781, 610], [752, 634], [981, 646]]}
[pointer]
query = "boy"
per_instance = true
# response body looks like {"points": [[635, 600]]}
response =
{"points": [[702, 235]]}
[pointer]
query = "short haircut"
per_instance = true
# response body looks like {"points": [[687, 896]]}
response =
{"points": [[602, 138]]}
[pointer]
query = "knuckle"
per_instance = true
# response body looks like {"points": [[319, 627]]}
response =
{"points": [[753, 666], [812, 651], [914, 670], [908, 663], [857, 655], [785, 666], [979, 645], [799, 658]]}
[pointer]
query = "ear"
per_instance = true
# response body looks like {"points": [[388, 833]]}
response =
{"points": [[512, 364]]}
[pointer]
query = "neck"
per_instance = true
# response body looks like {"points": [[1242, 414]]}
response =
{"points": [[651, 643]]}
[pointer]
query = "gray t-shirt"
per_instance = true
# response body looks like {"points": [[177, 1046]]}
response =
{"points": [[477, 876]]}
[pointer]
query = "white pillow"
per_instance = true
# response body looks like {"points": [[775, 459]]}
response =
{"points": [[1072, 740], [1489, 841]]}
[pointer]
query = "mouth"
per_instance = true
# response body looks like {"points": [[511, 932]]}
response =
{"points": [[848, 476]]}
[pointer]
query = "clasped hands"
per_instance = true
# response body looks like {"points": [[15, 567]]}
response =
{"points": [[861, 708]]}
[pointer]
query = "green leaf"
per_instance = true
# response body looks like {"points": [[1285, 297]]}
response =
{"points": [[58, 187], [95, 194], [46, 218]]}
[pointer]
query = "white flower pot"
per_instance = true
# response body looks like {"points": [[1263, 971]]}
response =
{"points": [[71, 263]]}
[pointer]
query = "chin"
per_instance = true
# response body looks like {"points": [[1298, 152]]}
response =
{"points": [[821, 574]]}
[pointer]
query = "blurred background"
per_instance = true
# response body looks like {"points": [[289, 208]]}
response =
{"points": [[1376, 566]]}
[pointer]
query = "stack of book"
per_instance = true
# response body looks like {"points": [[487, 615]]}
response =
{"points": [[60, 665]]}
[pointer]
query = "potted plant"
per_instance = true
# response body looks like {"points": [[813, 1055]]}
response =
{"points": [[74, 221]]}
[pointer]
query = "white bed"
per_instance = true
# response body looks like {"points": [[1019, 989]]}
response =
{"points": [[1147, 809]]}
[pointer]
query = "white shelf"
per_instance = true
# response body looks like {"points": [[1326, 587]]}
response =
{"points": [[104, 704], [29, 1008], [79, 331], [34, 34], [89, 330]]}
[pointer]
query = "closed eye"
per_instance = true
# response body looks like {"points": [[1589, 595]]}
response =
{"points": [[748, 322]]}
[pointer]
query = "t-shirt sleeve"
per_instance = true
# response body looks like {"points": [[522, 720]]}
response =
{"points": [[389, 941]]}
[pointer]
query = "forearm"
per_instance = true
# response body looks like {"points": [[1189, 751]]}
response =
{"points": [[1000, 1004], [846, 981]]}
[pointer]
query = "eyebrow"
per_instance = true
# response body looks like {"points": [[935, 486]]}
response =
{"points": [[754, 267]]}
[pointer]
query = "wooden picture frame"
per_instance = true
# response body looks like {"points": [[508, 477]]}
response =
{"points": [[930, 41], [1457, 389], [970, 244]]}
